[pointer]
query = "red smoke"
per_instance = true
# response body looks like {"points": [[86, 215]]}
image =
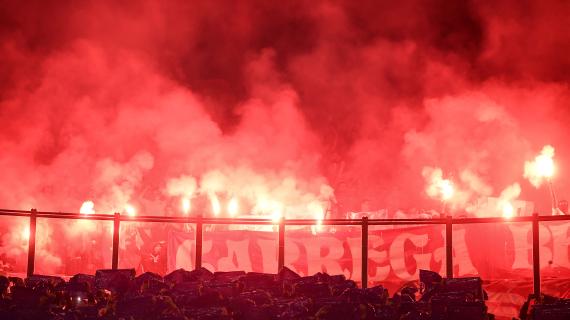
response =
{"points": [[110, 101]]}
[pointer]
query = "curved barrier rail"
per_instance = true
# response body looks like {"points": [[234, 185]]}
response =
{"points": [[199, 221]]}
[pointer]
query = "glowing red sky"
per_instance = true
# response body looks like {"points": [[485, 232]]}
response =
{"points": [[111, 100]]}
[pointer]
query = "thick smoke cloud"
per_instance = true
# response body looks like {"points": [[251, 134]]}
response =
{"points": [[119, 101]]}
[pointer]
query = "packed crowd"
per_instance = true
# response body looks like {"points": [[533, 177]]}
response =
{"points": [[200, 294]]}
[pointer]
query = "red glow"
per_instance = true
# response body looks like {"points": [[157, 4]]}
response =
{"points": [[233, 207], [249, 109], [186, 205], [542, 168], [130, 210], [25, 233], [87, 207], [508, 210]]}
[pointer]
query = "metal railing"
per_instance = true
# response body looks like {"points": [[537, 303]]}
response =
{"points": [[199, 221]]}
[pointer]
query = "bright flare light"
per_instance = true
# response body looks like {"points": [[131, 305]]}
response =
{"points": [[542, 168], [437, 187], [85, 225], [216, 208], [277, 213], [266, 207], [446, 190], [545, 166], [130, 210], [318, 212], [233, 207], [508, 210], [87, 207], [25, 234], [186, 205]]}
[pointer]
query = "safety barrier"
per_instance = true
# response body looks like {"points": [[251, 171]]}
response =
{"points": [[199, 221]]}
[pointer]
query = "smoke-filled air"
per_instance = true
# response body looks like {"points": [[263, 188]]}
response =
{"points": [[289, 109]]}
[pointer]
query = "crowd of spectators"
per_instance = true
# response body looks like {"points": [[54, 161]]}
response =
{"points": [[200, 294]]}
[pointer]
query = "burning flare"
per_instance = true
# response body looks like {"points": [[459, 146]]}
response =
{"points": [[130, 210], [233, 207], [508, 195], [318, 213], [542, 168], [276, 216], [216, 208], [446, 189], [87, 207], [269, 208], [25, 233], [508, 210], [186, 205], [438, 188], [276, 210]]}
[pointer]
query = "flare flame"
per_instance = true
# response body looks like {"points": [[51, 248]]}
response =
{"points": [[542, 168]]}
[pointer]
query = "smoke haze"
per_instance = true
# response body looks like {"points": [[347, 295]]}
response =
{"points": [[136, 101]]}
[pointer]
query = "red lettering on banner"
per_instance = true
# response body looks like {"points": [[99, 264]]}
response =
{"points": [[477, 250]]}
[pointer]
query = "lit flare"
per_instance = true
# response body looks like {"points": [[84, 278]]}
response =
{"points": [[216, 208], [87, 207], [130, 210], [542, 168], [233, 207], [25, 233], [318, 213], [437, 187], [446, 189], [508, 210], [277, 213], [186, 205]]}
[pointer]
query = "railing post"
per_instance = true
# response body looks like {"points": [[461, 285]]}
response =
{"points": [[32, 243], [198, 258], [364, 252], [449, 247], [281, 254], [116, 228], [535, 256]]}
